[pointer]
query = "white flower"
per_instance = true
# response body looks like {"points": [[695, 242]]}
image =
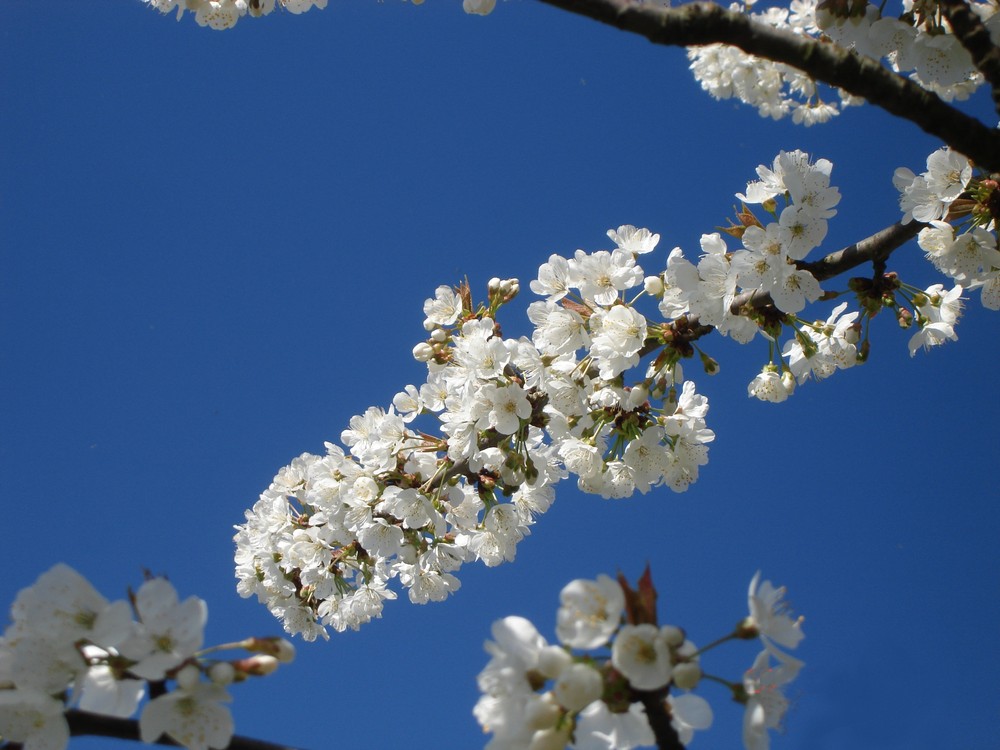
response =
{"points": [[642, 656], [689, 713], [937, 315], [33, 719], [192, 717], [504, 407], [589, 612], [618, 335], [769, 614], [444, 309], [62, 606], [633, 240], [104, 692], [771, 386], [170, 632], [597, 728], [766, 704], [577, 686], [554, 279]]}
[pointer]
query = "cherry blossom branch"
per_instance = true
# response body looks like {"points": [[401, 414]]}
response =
{"points": [[875, 249], [86, 723], [974, 36], [701, 23]]}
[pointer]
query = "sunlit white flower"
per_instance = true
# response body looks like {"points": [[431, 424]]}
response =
{"points": [[769, 614], [33, 719], [194, 717], [642, 655], [589, 612], [689, 713], [170, 632]]}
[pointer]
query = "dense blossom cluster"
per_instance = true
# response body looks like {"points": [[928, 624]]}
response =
{"points": [[68, 645], [588, 692], [514, 415], [918, 42], [597, 392]]}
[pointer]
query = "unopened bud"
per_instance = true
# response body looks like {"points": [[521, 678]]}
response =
{"points": [[542, 714], [423, 352], [904, 317], [274, 646], [188, 676], [636, 397], [222, 673], [672, 635], [653, 285], [578, 686], [493, 286], [711, 365], [256, 666], [509, 288], [552, 660], [686, 675], [788, 381], [439, 335], [747, 629], [550, 739]]}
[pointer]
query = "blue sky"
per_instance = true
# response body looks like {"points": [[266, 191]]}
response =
{"points": [[215, 250]]}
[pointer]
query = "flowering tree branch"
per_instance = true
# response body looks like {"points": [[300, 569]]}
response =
{"points": [[86, 723], [877, 247], [975, 37], [702, 23]]}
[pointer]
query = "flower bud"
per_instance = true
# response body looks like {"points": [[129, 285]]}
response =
{"points": [[653, 286], [550, 739], [578, 686], [542, 713], [257, 666], [552, 660], [672, 635], [222, 673], [636, 397], [686, 675], [439, 335], [187, 676], [423, 352], [275, 646], [788, 382]]}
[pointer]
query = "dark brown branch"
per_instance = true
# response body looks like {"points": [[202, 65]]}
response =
{"points": [[703, 23], [973, 35], [658, 715], [86, 723], [874, 249]]}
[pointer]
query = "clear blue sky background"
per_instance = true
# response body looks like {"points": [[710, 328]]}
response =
{"points": [[214, 248]]}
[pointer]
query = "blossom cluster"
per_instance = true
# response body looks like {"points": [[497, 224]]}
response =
{"points": [[458, 468], [959, 208], [223, 14], [69, 646], [775, 89], [514, 417], [593, 691], [919, 43]]}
